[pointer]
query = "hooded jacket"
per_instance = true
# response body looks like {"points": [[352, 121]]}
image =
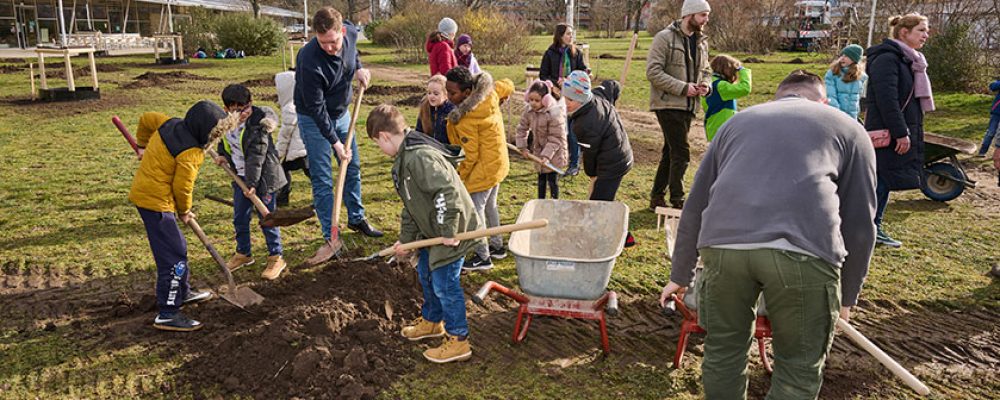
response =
{"points": [[435, 204], [607, 152], [290, 146], [552, 64], [477, 126], [846, 96], [262, 170], [548, 129], [441, 51], [434, 120], [670, 66], [174, 151], [890, 85]]}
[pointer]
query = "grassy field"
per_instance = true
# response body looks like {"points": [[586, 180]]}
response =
{"points": [[63, 210]]}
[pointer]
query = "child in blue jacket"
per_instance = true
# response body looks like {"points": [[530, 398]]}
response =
{"points": [[991, 131], [845, 80]]}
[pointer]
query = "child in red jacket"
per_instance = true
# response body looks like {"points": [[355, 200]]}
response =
{"points": [[441, 48]]}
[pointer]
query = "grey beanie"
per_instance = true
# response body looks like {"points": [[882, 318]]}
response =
{"points": [[448, 27], [694, 7]]}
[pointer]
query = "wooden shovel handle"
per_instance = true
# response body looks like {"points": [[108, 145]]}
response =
{"points": [[419, 244], [883, 358], [338, 198], [537, 160], [261, 208], [215, 254]]}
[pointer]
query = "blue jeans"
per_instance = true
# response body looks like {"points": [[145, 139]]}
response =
{"points": [[320, 154], [882, 198], [991, 131], [242, 210], [170, 254], [443, 295], [573, 146]]}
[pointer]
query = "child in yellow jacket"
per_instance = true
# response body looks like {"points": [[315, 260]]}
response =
{"points": [[172, 150], [476, 124]]}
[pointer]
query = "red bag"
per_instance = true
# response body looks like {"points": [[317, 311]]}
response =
{"points": [[881, 138]]}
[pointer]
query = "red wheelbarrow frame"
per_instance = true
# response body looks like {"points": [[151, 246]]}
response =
{"points": [[690, 325], [566, 308]]}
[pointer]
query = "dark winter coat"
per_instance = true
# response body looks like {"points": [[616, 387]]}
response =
{"points": [[552, 61], [995, 106], [262, 168], [603, 141], [890, 84], [323, 82], [435, 202]]}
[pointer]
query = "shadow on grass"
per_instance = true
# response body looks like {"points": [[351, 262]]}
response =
{"points": [[76, 235]]}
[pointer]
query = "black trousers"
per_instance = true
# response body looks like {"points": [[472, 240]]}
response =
{"points": [[552, 180], [676, 154], [605, 189], [288, 167]]}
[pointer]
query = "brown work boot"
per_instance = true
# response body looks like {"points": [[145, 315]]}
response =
{"points": [[422, 329], [275, 264], [238, 261], [452, 349], [656, 202], [323, 254]]}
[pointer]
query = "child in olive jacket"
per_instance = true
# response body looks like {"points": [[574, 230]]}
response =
{"points": [[435, 204]]}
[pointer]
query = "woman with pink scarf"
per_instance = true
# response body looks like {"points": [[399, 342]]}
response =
{"points": [[899, 93]]}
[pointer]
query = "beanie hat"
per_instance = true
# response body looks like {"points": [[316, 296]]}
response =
{"points": [[448, 26], [576, 87], [465, 38], [694, 7], [853, 52]]}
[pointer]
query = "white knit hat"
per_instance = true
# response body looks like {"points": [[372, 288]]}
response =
{"points": [[448, 26], [694, 7]]}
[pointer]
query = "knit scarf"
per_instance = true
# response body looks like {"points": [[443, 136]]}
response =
{"points": [[921, 83], [463, 59], [564, 66]]}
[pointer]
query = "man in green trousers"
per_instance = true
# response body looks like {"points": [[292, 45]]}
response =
{"points": [[782, 204]]}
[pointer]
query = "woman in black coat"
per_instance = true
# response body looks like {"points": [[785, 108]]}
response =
{"points": [[558, 62], [898, 96]]}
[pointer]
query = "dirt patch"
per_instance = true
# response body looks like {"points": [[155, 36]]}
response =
{"points": [[750, 60], [796, 61], [152, 79], [259, 82], [379, 90], [60, 73], [113, 100], [10, 69], [153, 65], [608, 56]]}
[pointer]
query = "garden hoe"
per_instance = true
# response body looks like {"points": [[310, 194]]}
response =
{"points": [[278, 217], [239, 296], [419, 244], [338, 195], [537, 160]]}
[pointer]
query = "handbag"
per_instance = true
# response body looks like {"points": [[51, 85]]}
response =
{"points": [[881, 138]]}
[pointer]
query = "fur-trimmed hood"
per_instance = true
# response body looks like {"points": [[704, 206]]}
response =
{"points": [[203, 125], [481, 91]]}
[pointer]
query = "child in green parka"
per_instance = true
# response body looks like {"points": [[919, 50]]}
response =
{"points": [[435, 204], [730, 81]]}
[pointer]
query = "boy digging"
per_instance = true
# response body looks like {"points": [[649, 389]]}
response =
{"points": [[249, 150], [172, 150], [435, 204]]}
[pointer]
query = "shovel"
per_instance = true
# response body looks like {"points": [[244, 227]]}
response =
{"points": [[239, 296], [278, 217], [419, 244], [335, 243], [537, 160]]}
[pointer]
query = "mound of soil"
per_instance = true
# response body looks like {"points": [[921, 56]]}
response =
{"points": [[608, 56], [259, 82], [749, 60], [378, 90], [9, 69], [796, 61], [151, 79]]}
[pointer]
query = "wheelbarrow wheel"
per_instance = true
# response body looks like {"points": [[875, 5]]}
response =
{"points": [[937, 186]]}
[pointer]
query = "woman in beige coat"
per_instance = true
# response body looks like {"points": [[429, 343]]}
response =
{"points": [[545, 119]]}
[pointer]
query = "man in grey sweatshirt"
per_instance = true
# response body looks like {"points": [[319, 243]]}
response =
{"points": [[782, 204]]}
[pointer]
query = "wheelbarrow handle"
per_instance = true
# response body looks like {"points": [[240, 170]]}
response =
{"points": [[419, 244]]}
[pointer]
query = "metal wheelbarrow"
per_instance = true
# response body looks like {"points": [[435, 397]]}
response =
{"points": [[944, 178], [564, 270]]}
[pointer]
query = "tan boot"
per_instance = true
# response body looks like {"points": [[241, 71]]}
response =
{"points": [[275, 264], [238, 261], [323, 254], [451, 350], [422, 329]]}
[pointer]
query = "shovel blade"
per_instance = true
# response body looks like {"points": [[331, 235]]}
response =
{"points": [[284, 217], [242, 297]]}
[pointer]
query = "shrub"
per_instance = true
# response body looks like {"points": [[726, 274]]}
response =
{"points": [[370, 29], [199, 30], [955, 62], [497, 38], [255, 36]]}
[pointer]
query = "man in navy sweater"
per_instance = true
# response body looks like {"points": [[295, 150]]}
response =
{"points": [[325, 68]]}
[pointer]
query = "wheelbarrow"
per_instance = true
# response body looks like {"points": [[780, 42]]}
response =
{"points": [[944, 177], [564, 270]]}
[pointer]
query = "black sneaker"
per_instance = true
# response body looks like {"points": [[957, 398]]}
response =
{"points": [[197, 297], [178, 323], [498, 253], [475, 263], [365, 228]]}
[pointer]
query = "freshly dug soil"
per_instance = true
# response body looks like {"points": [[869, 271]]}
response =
{"points": [[258, 82], [749, 60], [796, 61], [10, 69], [151, 79], [378, 90], [609, 56]]}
